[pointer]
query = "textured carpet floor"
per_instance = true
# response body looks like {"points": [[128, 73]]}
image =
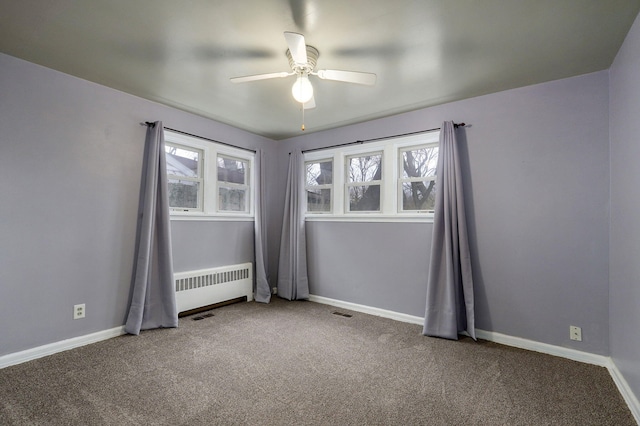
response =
{"points": [[296, 363]]}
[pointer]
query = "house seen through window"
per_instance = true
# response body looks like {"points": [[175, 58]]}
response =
{"points": [[184, 170], [319, 180], [206, 178], [232, 184]]}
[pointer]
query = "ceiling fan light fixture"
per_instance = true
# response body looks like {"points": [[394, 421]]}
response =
{"points": [[302, 89], [302, 60]]}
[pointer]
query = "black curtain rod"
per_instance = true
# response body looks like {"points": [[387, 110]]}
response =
{"points": [[456, 125], [150, 124]]}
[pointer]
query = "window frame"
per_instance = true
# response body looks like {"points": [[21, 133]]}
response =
{"points": [[199, 179], [328, 186], [390, 210], [402, 180], [211, 150], [348, 184], [231, 185]]}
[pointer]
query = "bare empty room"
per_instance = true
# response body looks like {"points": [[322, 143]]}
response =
{"points": [[424, 211]]}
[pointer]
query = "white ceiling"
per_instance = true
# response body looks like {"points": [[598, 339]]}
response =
{"points": [[424, 52]]}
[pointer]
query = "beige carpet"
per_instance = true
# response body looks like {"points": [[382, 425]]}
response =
{"points": [[296, 363]]}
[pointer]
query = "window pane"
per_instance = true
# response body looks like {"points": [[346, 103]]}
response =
{"points": [[232, 199], [365, 198], [183, 194], [420, 162], [319, 200], [181, 162], [320, 173], [418, 195], [231, 170], [365, 168]]}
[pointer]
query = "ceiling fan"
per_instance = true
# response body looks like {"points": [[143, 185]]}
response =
{"points": [[303, 60]]}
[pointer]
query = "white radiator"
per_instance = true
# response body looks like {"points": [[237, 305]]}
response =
{"points": [[195, 289]]}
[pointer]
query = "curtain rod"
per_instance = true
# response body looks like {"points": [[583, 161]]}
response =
{"points": [[151, 124], [456, 125]]}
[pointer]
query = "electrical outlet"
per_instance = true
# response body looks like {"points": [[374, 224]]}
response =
{"points": [[575, 333], [78, 311]]}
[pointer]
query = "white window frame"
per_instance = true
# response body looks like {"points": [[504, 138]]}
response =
{"points": [[402, 180], [348, 184], [231, 185], [328, 186], [199, 179], [389, 197], [210, 151]]}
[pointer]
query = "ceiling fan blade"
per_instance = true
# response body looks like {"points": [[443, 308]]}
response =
{"points": [[260, 77], [310, 104], [357, 77], [297, 47]]}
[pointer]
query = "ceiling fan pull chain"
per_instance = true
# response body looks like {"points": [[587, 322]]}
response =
{"points": [[302, 127]]}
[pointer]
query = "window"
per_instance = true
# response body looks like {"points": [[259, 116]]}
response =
{"points": [[388, 180], [364, 178], [416, 184], [184, 172], [207, 179], [318, 185], [232, 184]]}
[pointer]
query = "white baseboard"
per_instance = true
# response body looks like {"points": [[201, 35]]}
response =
{"points": [[63, 345], [518, 342], [545, 348], [367, 309], [625, 390]]}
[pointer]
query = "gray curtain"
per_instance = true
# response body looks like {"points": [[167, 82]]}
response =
{"points": [[293, 283], [263, 290], [450, 306], [153, 302]]}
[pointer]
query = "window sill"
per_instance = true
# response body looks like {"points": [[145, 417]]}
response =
{"points": [[407, 218], [191, 216]]}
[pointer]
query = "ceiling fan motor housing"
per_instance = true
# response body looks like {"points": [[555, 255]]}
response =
{"points": [[312, 60]]}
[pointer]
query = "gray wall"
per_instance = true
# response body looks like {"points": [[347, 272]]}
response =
{"points": [[387, 256], [624, 274], [70, 167], [206, 244], [535, 161]]}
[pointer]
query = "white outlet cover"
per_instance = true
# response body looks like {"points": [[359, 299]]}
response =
{"points": [[575, 333], [78, 311]]}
